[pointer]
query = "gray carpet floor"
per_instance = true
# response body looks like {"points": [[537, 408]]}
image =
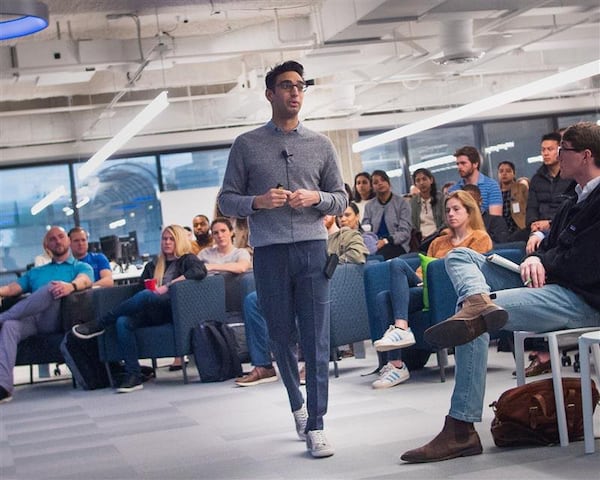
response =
{"points": [[221, 431]]}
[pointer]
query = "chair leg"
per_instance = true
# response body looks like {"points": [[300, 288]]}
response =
{"points": [[519, 343], [586, 394], [30, 374], [111, 380], [442, 360], [559, 399], [184, 369]]}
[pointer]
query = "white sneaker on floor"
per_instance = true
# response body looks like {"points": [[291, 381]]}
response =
{"points": [[301, 419], [390, 376], [318, 445], [394, 338]]}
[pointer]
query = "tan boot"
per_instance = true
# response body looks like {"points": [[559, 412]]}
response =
{"points": [[457, 439], [477, 315]]}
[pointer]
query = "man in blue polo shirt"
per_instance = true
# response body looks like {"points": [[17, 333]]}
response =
{"points": [[79, 246], [39, 312], [468, 162]]}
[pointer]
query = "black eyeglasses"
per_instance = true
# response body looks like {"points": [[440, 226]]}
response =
{"points": [[288, 86], [567, 149]]}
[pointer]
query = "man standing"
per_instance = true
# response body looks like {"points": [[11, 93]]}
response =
{"points": [[39, 312], [468, 162], [562, 291], [285, 178], [98, 261], [201, 227]]}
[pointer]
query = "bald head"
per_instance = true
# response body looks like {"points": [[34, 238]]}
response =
{"points": [[57, 242]]}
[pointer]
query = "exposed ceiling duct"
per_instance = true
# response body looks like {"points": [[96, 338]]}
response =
{"points": [[456, 40]]}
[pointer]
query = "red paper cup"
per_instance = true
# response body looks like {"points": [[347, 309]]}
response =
{"points": [[150, 283]]}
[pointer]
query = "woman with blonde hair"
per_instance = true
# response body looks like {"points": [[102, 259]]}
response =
{"points": [[151, 306], [465, 229]]}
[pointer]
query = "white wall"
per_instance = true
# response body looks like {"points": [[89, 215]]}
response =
{"points": [[181, 206]]}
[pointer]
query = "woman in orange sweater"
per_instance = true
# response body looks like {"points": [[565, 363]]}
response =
{"points": [[465, 229]]}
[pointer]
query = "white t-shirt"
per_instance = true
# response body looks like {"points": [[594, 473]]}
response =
{"points": [[212, 255]]}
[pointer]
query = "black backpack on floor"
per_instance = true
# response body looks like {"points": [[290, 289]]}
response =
{"points": [[216, 352], [83, 359]]}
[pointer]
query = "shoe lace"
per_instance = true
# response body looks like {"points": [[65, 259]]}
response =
{"points": [[318, 438]]}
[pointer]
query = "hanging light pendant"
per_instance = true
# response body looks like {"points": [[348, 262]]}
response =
{"points": [[19, 18]]}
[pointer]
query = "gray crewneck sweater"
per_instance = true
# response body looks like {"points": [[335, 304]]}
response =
{"points": [[267, 157]]}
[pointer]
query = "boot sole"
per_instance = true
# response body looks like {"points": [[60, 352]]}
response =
{"points": [[465, 453], [452, 333]]}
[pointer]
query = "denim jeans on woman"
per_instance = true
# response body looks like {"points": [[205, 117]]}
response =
{"points": [[549, 308], [144, 309]]}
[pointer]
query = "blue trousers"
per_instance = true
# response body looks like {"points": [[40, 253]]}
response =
{"points": [[402, 279], [257, 332], [544, 309], [37, 313], [144, 309], [291, 284]]}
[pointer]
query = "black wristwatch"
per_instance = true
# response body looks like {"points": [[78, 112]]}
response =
{"points": [[74, 286]]}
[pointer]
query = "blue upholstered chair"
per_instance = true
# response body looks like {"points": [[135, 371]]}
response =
{"points": [[349, 320], [192, 302]]}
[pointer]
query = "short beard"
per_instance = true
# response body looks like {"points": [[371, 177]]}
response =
{"points": [[203, 239]]}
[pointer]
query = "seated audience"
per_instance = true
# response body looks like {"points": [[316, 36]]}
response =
{"points": [[201, 228], [40, 311], [351, 219], [514, 200], [552, 292], [388, 216], [363, 192], [465, 229], [494, 224], [223, 256], [103, 276], [427, 206], [148, 307]]}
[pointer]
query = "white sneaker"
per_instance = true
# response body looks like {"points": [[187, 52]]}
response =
{"points": [[317, 444], [390, 376], [301, 419], [394, 338]]}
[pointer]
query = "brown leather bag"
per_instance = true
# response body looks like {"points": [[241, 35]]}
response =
{"points": [[526, 415]]}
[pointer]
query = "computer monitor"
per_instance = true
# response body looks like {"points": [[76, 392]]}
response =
{"points": [[129, 247], [111, 247]]}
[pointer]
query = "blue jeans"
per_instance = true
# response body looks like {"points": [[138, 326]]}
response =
{"points": [[144, 309], [402, 278], [290, 283], [549, 308], [257, 333]]}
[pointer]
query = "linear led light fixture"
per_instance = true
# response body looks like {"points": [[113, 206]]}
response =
{"points": [[49, 199], [125, 134], [22, 17], [549, 83]]}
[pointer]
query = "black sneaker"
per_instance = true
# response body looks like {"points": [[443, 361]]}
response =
{"points": [[131, 384], [5, 396], [87, 330], [147, 373]]}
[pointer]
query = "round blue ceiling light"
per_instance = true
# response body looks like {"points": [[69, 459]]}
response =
{"points": [[22, 17]]}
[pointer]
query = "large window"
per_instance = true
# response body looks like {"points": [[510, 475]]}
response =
{"points": [[122, 197], [515, 141], [21, 231], [387, 157], [434, 150], [204, 168]]}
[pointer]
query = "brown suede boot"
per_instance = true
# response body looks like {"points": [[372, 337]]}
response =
{"points": [[477, 315], [457, 439]]}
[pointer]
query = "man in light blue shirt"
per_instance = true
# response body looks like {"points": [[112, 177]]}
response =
{"points": [[468, 162], [39, 312]]}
